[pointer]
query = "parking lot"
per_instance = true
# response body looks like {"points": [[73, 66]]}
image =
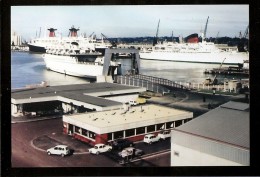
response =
{"points": [[32, 139]]}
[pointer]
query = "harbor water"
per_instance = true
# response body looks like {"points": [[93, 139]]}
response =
{"points": [[29, 68]]}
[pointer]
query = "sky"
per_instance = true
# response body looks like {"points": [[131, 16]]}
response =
{"points": [[130, 20]]}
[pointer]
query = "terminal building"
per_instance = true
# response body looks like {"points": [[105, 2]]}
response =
{"points": [[219, 137], [129, 122], [73, 98]]}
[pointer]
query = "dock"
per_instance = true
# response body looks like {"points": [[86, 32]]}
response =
{"points": [[231, 70]]}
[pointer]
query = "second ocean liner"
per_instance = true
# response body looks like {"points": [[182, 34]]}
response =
{"points": [[71, 59]]}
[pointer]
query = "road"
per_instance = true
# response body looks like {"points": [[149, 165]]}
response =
{"points": [[25, 155]]}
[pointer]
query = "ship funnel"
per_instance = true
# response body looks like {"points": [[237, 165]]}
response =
{"points": [[52, 32], [73, 32]]}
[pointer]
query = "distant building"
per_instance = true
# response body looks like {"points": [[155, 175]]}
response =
{"points": [[218, 138], [16, 39]]}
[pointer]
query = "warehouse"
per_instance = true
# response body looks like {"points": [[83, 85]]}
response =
{"points": [[219, 137], [130, 122], [73, 98]]}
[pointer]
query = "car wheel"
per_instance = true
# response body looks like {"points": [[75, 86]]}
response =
{"points": [[97, 152], [49, 153], [62, 155]]}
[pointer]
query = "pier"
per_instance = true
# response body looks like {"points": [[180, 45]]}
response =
{"points": [[228, 71]]}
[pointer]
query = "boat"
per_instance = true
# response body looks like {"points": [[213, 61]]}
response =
{"points": [[39, 45], [71, 58], [200, 52], [191, 50]]}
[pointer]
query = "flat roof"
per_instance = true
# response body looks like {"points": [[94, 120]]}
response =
{"points": [[87, 93], [122, 119], [228, 123]]}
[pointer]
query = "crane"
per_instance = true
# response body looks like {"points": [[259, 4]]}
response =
{"points": [[155, 40], [111, 42], [205, 29], [246, 32], [91, 34]]}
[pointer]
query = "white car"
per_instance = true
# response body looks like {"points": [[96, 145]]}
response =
{"points": [[151, 138], [99, 148], [133, 103], [164, 134], [59, 150]]}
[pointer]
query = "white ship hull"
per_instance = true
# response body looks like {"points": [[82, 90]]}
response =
{"points": [[231, 58], [68, 65]]}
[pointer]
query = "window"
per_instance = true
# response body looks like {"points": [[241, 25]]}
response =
{"points": [[186, 120], [109, 136], [118, 134], [169, 125], [151, 128], [160, 126], [140, 130], [130, 132], [92, 135], [178, 123], [84, 132], [77, 129]]}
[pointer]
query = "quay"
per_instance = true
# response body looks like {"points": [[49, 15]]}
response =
{"points": [[228, 71]]}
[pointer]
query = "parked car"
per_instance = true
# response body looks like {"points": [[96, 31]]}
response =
{"points": [[131, 151], [164, 134], [99, 148], [151, 138], [121, 144], [133, 103], [59, 150]]}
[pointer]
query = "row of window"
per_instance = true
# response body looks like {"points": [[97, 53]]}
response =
{"points": [[85, 132], [132, 132], [146, 129]]}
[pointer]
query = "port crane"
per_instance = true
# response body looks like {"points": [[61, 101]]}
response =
{"points": [[155, 40], [205, 29], [111, 42]]}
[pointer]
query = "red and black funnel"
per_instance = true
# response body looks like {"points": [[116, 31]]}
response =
{"points": [[52, 32]]}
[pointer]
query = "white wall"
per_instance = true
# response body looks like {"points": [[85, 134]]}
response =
{"points": [[190, 157]]}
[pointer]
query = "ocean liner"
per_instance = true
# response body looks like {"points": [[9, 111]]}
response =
{"points": [[72, 59], [39, 45], [193, 51]]}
